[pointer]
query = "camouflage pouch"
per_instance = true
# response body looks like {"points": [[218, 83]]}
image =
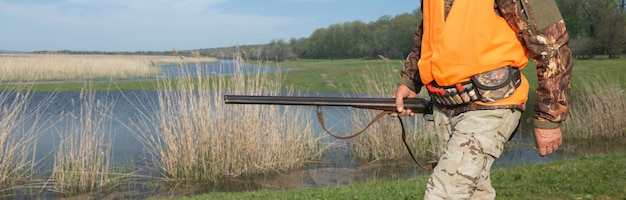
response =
{"points": [[497, 84]]}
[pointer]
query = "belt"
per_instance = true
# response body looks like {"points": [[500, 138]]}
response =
{"points": [[490, 86], [458, 94]]}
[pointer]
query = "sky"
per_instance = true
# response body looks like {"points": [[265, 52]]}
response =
{"points": [[160, 25]]}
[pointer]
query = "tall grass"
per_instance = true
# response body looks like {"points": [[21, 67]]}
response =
{"points": [[82, 160], [17, 141], [53, 67], [383, 141], [598, 109], [198, 138]]}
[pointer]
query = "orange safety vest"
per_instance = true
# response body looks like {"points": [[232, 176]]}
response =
{"points": [[471, 40]]}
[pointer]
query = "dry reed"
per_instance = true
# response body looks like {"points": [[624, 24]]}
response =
{"points": [[198, 138], [17, 140], [383, 141], [597, 110], [55, 67], [82, 162]]}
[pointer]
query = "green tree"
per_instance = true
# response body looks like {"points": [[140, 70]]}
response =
{"points": [[576, 18], [278, 50], [298, 46], [393, 36], [316, 44], [356, 39], [388, 36], [597, 27]]}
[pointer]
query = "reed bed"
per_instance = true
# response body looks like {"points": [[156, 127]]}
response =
{"points": [[198, 138], [597, 109], [17, 141], [82, 159], [383, 141], [63, 67]]}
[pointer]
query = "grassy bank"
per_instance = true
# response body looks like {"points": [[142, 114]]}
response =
{"points": [[322, 75], [590, 177], [334, 75], [339, 75]]}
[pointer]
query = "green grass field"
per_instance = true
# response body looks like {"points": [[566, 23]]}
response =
{"points": [[591, 177], [339, 75]]}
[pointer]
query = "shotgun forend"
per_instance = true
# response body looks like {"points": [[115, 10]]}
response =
{"points": [[417, 105]]}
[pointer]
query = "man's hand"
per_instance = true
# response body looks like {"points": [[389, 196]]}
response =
{"points": [[403, 92], [547, 140]]}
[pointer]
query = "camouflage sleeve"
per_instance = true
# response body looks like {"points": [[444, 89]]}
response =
{"points": [[545, 35], [410, 74]]}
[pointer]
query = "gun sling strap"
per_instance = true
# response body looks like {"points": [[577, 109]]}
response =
{"points": [[320, 118]]}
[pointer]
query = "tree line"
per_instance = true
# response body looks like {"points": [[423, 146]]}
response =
{"points": [[596, 27], [391, 37]]}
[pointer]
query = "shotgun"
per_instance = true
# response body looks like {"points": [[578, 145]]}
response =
{"points": [[417, 105], [386, 105]]}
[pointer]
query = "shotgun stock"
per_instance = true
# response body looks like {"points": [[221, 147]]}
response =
{"points": [[417, 105]]}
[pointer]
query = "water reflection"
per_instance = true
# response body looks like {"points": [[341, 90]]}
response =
{"points": [[222, 67]]}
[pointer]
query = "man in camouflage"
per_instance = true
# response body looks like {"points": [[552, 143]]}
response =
{"points": [[471, 134]]}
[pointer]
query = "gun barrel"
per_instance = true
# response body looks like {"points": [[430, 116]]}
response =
{"points": [[417, 105]]}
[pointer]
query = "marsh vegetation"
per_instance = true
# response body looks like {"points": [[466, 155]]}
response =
{"points": [[69, 67], [193, 137]]}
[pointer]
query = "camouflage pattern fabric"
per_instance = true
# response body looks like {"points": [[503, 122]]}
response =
{"points": [[550, 51], [552, 56], [497, 84], [468, 144]]}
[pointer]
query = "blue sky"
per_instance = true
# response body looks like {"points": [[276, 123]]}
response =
{"points": [[158, 25]]}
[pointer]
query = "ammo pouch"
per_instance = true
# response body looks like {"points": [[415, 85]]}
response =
{"points": [[458, 94], [490, 86], [497, 84]]}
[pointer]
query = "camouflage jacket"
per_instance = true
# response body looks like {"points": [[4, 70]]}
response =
{"points": [[550, 53]]}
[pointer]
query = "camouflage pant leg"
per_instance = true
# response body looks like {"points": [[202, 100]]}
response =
{"points": [[469, 143]]}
